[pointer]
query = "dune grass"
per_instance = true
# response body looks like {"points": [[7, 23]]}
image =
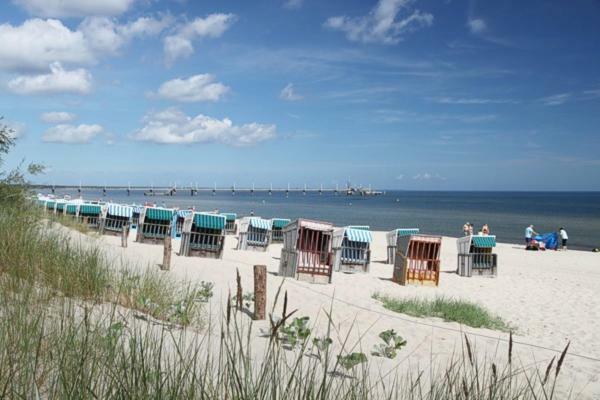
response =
{"points": [[461, 311]]}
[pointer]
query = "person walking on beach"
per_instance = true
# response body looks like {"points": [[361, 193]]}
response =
{"points": [[564, 237], [529, 234]]}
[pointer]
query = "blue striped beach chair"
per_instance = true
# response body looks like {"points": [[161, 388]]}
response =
{"points": [[179, 220], [476, 256], [352, 249], [155, 223], [203, 235], [89, 215], [277, 231], [115, 217], [254, 234], [230, 225]]}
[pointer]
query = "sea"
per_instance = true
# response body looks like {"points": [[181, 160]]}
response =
{"points": [[433, 212]]}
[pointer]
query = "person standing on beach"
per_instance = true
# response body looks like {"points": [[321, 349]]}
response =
{"points": [[471, 229], [529, 234], [564, 237], [485, 230], [466, 229]]}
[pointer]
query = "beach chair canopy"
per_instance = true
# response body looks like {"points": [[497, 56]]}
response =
{"points": [[259, 223], [184, 213], [60, 205], [229, 216], [90, 209], [359, 227], [71, 208], [359, 235], [50, 204], [160, 214], [209, 221], [485, 241], [137, 209], [120, 210], [279, 223]]}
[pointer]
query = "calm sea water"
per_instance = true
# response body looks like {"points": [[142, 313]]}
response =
{"points": [[507, 213]]}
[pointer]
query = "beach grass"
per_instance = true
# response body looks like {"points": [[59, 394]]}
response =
{"points": [[461, 311]]}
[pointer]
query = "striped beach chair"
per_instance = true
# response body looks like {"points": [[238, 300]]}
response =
{"points": [[417, 260], [115, 217], [89, 215], [277, 229], [155, 223], [306, 253], [179, 220], [351, 249], [230, 225], [254, 234], [476, 256], [392, 241], [203, 235]]}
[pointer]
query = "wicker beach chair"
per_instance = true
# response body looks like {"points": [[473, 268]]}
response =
{"points": [[254, 234], [475, 255], [392, 241], [351, 249], [417, 260], [203, 235], [277, 229]]}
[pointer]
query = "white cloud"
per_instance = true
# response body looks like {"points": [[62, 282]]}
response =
{"points": [[399, 177], [288, 93], [426, 176], [180, 44], [72, 134], [556, 100], [477, 25], [57, 117], [171, 126], [58, 80], [293, 4], [381, 24], [195, 88], [37, 43], [74, 8], [471, 101]]}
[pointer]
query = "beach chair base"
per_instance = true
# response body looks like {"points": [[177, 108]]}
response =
{"points": [[477, 264]]}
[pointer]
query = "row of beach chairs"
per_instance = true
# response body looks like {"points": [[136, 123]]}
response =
{"points": [[311, 251]]}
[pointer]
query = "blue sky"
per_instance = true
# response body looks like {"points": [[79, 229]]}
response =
{"points": [[397, 94]]}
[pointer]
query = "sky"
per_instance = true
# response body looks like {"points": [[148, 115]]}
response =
{"points": [[396, 94]]}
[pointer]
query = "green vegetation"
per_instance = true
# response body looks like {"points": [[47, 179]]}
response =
{"points": [[460, 311]]}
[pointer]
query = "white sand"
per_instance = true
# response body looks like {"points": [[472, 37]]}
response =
{"points": [[550, 297]]}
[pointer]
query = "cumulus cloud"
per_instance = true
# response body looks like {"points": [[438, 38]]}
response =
{"points": [[426, 176], [477, 25], [74, 134], [57, 117], [386, 23], [200, 87], [288, 93], [171, 126], [59, 80], [179, 45], [37, 42], [74, 8]]}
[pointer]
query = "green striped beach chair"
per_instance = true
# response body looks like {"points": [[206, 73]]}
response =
{"points": [[203, 235]]}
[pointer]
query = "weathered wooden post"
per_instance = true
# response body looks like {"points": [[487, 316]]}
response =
{"points": [[124, 235], [166, 265], [260, 291], [239, 294]]}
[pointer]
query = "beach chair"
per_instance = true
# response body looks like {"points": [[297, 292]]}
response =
{"points": [[89, 215], [135, 216], [351, 249], [417, 260], [277, 229], [475, 255], [203, 235], [115, 217], [306, 254], [392, 240], [154, 224], [50, 205], [179, 220], [254, 234], [59, 207], [71, 209], [230, 225]]}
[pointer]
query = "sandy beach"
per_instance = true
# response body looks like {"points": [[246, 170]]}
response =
{"points": [[549, 298]]}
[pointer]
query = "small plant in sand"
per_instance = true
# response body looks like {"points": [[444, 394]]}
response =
{"points": [[322, 345], [204, 292], [297, 332], [349, 361], [247, 299], [390, 346]]}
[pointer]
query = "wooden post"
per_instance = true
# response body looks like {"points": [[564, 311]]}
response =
{"points": [[85, 221], [239, 294], [124, 235], [166, 265], [260, 291]]}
